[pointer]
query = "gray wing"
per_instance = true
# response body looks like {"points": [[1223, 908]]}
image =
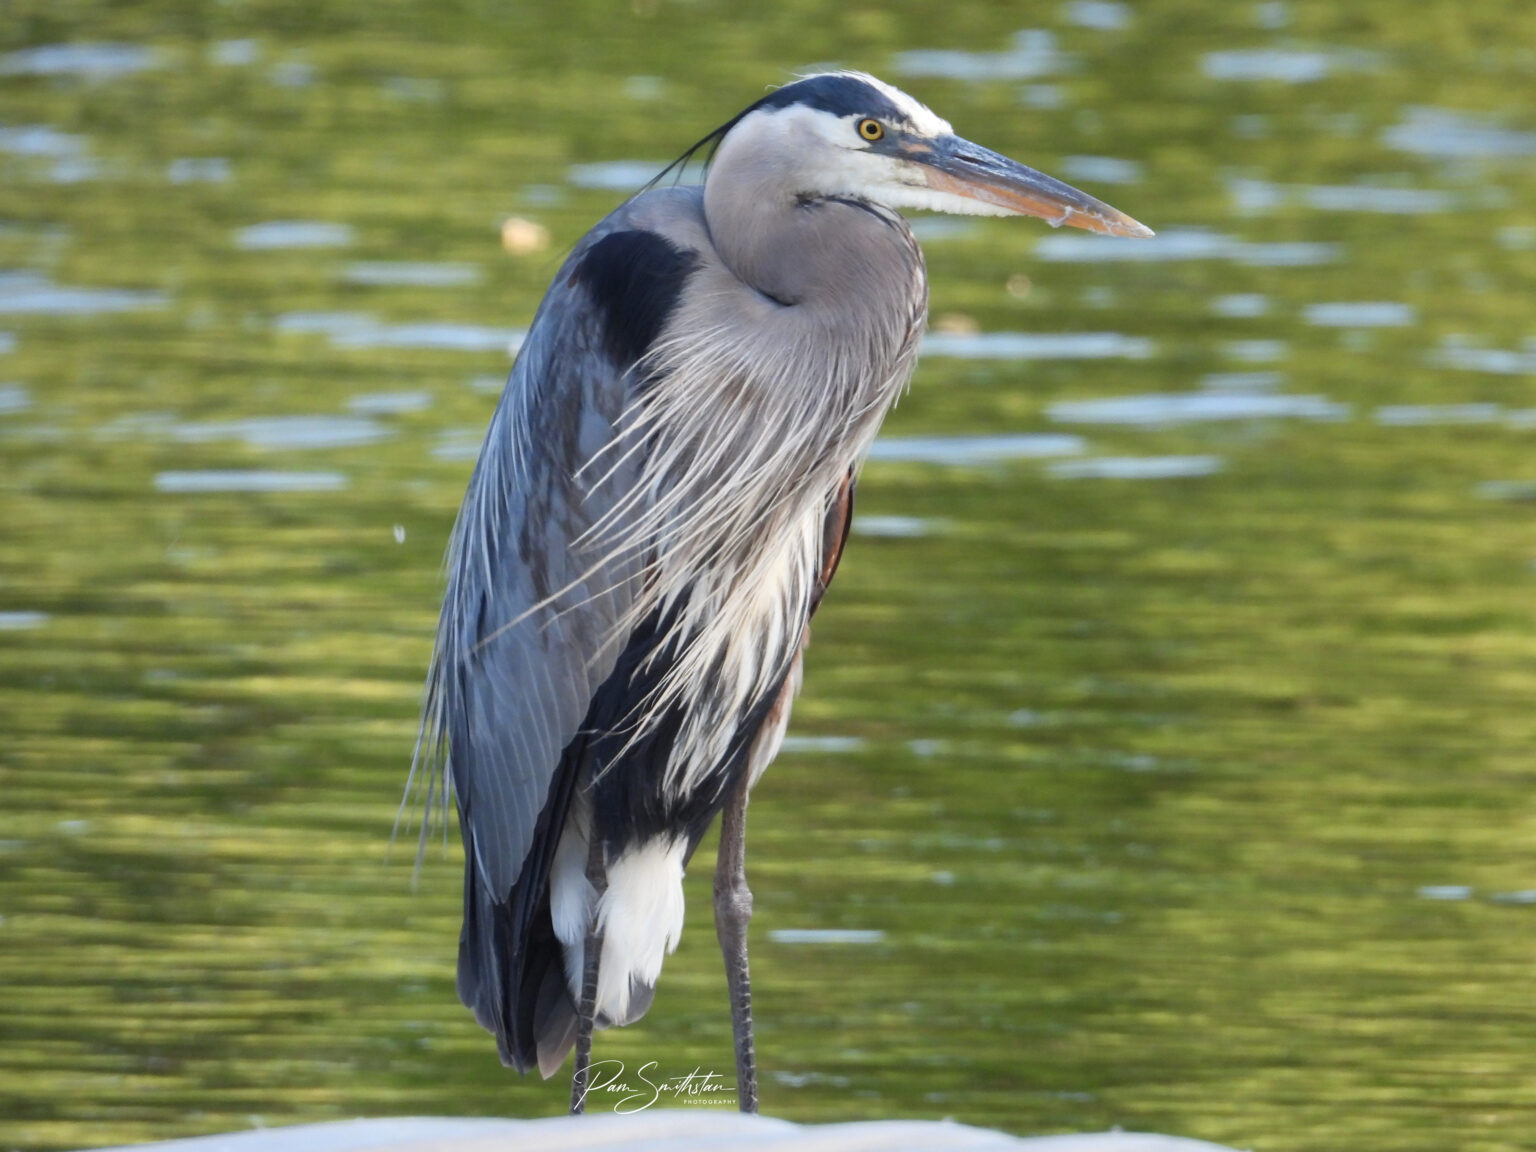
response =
{"points": [[528, 618], [533, 616]]}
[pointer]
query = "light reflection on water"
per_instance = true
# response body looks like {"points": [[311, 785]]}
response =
{"points": [[99, 61], [1195, 407], [1036, 345], [1034, 53], [1255, 197], [1447, 134], [1360, 314], [293, 234], [1135, 467], [236, 480], [31, 293], [1178, 244], [1285, 65], [615, 175], [419, 275], [962, 451], [284, 431], [40, 140], [440, 335]]}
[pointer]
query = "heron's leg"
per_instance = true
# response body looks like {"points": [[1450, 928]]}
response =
{"points": [[591, 954], [733, 910]]}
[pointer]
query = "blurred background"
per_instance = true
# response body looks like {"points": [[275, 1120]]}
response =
{"points": [[1165, 756]]}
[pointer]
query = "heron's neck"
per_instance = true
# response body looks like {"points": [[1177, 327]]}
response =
{"points": [[841, 254]]}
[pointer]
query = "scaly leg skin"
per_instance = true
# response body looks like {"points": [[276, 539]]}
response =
{"points": [[733, 910], [592, 950]]}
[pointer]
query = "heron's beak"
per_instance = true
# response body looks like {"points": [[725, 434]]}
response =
{"points": [[961, 168]]}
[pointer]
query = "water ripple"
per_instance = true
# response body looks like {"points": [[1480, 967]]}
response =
{"points": [[1256, 197], [1283, 65], [30, 293], [1181, 244], [93, 61], [826, 936], [1036, 345], [962, 451], [418, 275], [1360, 314], [249, 481], [14, 398], [39, 140], [1034, 54], [1159, 409], [614, 175], [285, 431], [439, 334], [276, 234], [1135, 467], [1444, 134]]}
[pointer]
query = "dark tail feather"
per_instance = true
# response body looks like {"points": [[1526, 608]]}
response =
{"points": [[554, 1021], [511, 965]]}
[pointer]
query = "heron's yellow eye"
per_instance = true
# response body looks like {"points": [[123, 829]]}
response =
{"points": [[871, 129]]}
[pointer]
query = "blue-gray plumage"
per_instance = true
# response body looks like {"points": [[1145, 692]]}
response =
{"points": [[660, 502]]}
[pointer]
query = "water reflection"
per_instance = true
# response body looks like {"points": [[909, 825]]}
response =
{"points": [[1457, 353], [1241, 305], [390, 403], [235, 53], [1101, 15], [615, 175], [1283, 65], [826, 936], [1034, 53], [898, 527], [32, 293], [442, 336], [364, 330], [1255, 351], [1036, 345], [99, 61], [1178, 244], [199, 170], [1100, 170], [1444, 133], [1360, 314], [1255, 197], [15, 621], [285, 431], [41, 140], [418, 275], [276, 234], [248, 480], [1135, 467], [822, 745], [1164, 409], [1418, 415], [968, 451]]}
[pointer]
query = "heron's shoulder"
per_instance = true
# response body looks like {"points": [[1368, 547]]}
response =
{"points": [[675, 214], [635, 265]]}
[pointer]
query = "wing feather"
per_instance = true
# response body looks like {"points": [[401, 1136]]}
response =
{"points": [[534, 614]]}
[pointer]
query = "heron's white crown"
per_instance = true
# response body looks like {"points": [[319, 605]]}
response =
{"points": [[820, 153]]}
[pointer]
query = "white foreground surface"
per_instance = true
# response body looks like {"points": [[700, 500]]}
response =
{"points": [[673, 1130]]}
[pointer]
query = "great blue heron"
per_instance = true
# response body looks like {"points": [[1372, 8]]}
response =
{"points": [[658, 507]]}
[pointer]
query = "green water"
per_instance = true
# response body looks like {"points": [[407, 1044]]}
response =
{"points": [[1200, 804]]}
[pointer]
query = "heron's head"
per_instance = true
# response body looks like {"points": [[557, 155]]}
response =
{"points": [[847, 134]]}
